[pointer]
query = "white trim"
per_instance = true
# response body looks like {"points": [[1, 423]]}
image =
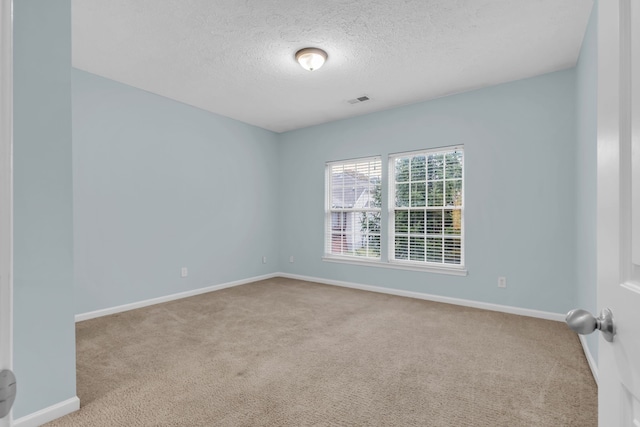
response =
{"points": [[590, 360], [427, 151], [172, 297], [558, 317], [49, 414], [355, 160], [397, 265], [6, 189]]}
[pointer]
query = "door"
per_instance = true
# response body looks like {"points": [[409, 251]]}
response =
{"points": [[6, 188], [618, 209]]}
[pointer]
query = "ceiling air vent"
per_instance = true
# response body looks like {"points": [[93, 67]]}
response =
{"points": [[358, 99]]}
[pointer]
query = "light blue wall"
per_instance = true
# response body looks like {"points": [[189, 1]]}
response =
{"points": [[586, 132], [159, 185], [520, 170], [44, 330]]}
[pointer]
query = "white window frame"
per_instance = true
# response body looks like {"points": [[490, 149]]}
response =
{"points": [[435, 266], [329, 211]]}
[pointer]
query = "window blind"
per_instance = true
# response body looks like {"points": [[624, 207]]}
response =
{"points": [[353, 208], [427, 210]]}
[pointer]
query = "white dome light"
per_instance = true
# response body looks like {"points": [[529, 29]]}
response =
{"points": [[311, 58]]}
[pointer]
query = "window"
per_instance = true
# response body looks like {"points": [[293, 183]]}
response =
{"points": [[424, 228], [353, 208], [426, 216]]}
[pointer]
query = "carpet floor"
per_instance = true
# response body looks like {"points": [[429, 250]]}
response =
{"points": [[283, 352]]}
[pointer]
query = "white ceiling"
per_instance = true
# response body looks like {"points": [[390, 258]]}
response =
{"points": [[236, 57]]}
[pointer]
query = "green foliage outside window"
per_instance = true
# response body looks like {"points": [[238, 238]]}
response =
{"points": [[370, 222], [425, 186]]}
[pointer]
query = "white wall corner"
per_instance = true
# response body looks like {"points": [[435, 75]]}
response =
{"points": [[48, 414], [590, 360]]}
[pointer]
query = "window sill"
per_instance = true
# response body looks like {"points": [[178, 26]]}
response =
{"points": [[453, 271]]}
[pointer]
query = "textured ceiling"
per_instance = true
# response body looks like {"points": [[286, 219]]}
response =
{"points": [[236, 57]]}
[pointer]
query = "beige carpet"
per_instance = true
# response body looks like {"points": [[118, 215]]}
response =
{"points": [[288, 353]]}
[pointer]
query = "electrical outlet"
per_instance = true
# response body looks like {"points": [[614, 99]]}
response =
{"points": [[264, 259], [184, 272], [502, 282], [291, 259]]}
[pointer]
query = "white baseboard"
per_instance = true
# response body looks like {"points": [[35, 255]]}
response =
{"points": [[437, 298], [419, 295], [590, 360], [145, 303], [51, 413]]}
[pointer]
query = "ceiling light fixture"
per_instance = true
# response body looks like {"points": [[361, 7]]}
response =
{"points": [[311, 58]]}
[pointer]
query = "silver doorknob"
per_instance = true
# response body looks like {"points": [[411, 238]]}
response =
{"points": [[583, 322]]}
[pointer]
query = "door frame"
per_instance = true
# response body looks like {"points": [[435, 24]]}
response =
{"points": [[6, 189]]}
